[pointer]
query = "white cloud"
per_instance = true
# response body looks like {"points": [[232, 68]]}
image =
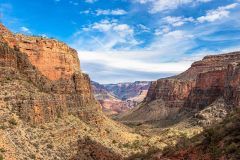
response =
{"points": [[171, 51], [152, 59], [163, 30], [90, 1], [99, 12], [104, 25], [129, 60], [177, 21], [217, 14], [25, 30], [165, 5], [143, 28], [162, 5], [116, 12], [112, 33], [85, 12]]}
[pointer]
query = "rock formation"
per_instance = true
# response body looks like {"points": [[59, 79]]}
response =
{"points": [[198, 87], [53, 70]]}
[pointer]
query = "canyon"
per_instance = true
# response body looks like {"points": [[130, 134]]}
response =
{"points": [[121, 97], [50, 109]]}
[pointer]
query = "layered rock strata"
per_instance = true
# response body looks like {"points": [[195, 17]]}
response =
{"points": [[48, 74]]}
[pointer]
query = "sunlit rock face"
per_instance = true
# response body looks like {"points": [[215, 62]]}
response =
{"points": [[54, 59], [43, 79]]}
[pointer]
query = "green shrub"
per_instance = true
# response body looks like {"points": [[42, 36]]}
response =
{"points": [[3, 127], [184, 142], [50, 146], [32, 156], [114, 141], [1, 157], [2, 150], [13, 121], [126, 145], [232, 148], [136, 144], [212, 139]]}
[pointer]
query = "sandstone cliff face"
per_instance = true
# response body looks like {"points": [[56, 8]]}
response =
{"points": [[54, 59], [47, 72], [202, 84], [232, 87], [209, 86]]}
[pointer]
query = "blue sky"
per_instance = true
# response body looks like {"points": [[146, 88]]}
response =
{"points": [[129, 40]]}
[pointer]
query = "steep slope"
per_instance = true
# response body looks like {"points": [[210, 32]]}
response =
{"points": [[119, 98], [202, 84]]}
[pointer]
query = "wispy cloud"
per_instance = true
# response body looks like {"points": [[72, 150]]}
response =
{"points": [[106, 12], [25, 30], [106, 35], [90, 1], [177, 21], [217, 14], [165, 5], [115, 12], [170, 52]]}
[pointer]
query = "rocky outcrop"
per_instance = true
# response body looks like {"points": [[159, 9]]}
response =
{"points": [[202, 84], [43, 79]]}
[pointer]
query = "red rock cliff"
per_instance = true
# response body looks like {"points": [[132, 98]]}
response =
{"points": [[43, 79], [54, 59]]}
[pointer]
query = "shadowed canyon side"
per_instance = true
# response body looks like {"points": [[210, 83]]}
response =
{"points": [[121, 97], [201, 85]]}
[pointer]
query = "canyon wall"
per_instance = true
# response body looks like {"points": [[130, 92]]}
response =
{"points": [[198, 87], [43, 79]]}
